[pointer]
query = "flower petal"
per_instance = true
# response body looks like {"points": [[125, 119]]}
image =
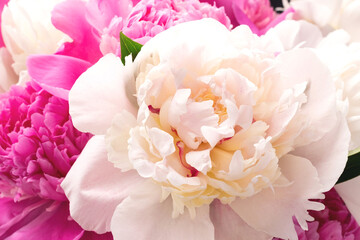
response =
{"points": [[142, 216], [69, 17], [349, 192], [329, 154], [229, 226], [276, 209], [56, 73], [99, 94], [95, 187]]}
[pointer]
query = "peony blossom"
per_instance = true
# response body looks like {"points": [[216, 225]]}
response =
{"points": [[27, 29], [95, 26], [228, 139], [150, 17], [330, 14], [257, 14], [334, 222], [38, 145]]}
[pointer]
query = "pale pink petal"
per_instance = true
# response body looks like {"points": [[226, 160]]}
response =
{"points": [[99, 94], [276, 209], [95, 187], [329, 161], [295, 33], [349, 192], [143, 217], [56, 73], [350, 19], [302, 65], [200, 160], [229, 226], [7, 74], [70, 17]]}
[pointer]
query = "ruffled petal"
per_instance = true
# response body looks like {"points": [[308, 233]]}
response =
{"points": [[56, 73], [95, 187], [142, 216], [99, 94], [229, 225], [276, 208]]}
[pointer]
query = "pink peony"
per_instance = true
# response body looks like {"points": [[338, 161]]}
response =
{"points": [[150, 17], [95, 25], [38, 145], [334, 222], [257, 14]]}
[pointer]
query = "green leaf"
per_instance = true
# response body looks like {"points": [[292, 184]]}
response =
{"points": [[128, 47], [352, 168]]}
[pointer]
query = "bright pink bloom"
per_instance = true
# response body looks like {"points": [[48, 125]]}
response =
{"points": [[334, 222], [150, 17], [95, 26], [38, 145], [257, 14]]}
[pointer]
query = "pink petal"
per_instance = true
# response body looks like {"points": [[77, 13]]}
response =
{"points": [[69, 17], [95, 187], [50, 224], [56, 73], [143, 216], [229, 226]]}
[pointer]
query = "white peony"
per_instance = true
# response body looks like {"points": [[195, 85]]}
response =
{"points": [[225, 138], [27, 29]]}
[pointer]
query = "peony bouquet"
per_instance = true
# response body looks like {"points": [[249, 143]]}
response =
{"points": [[180, 119]]}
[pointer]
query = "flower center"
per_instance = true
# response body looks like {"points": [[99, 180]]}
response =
{"points": [[219, 108]]}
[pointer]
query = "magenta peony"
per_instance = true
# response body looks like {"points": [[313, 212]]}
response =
{"points": [[38, 145], [257, 14]]}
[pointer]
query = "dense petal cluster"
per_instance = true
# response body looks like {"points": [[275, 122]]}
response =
{"points": [[150, 17], [38, 145], [228, 129]]}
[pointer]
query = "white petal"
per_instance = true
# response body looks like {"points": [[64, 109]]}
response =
{"points": [[229, 226], [272, 212], [95, 187], [200, 160], [116, 140], [143, 217], [162, 141], [100, 93], [349, 192]]}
